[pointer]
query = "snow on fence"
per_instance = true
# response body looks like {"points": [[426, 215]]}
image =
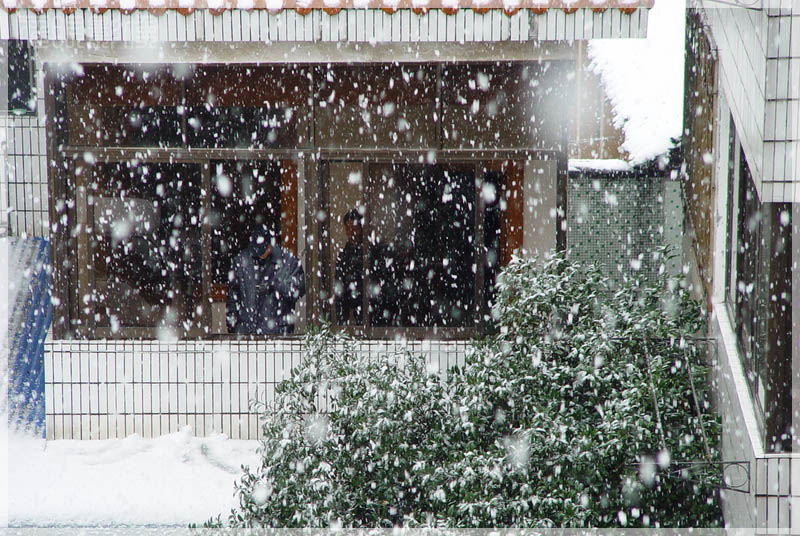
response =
{"points": [[112, 389]]}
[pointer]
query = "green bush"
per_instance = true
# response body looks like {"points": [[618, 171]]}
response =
{"points": [[573, 414]]}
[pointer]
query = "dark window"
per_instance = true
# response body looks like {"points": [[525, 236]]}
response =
{"points": [[731, 219], [420, 281], [236, 126], [215, 106], [763, 306], [249, 199], [21, 95], [146, 246], [411, 279], [142, 126]]}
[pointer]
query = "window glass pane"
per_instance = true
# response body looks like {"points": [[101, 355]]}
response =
{"points": [[376, 106], [247, 106], [749, 245], [502, 195], [345, 187], [730, 223], [146, 256], [211, 106], [505, 105], [135, 106], [245, 196], [763, 306], [420, 238], [21, 94]]}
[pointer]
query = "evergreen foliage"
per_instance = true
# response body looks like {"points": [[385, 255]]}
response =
{"points": [[572, 414]]}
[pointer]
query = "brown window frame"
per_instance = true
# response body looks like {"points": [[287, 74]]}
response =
{"points": [[63, 200]]}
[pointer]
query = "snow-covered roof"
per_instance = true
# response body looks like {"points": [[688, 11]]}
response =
{"points": [[612, 164], [644, 81]]}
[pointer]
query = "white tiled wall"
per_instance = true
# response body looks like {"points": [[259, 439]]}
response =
{"points": [[759, 53], [739, 36], [354, 25], [26, 166], [108, 389], [764, 501], [782, 114], [777, 485]]}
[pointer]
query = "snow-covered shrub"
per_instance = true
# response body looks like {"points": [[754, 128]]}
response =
{"points": [[595, 378], [368, 461], [573, 414]]}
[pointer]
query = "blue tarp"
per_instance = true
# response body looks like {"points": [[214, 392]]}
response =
{"points": [[30, 314]]}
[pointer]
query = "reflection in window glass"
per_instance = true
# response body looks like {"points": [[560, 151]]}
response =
{"points": [[210, 106], [245, 197], [345, 186], [420, 245], [376, 106], [21, 89], [504, 105], [763, 305], [146, 250], [141, 126], [109, 105], [247, 106]]}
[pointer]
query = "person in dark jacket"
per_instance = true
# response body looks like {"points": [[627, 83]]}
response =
{"points": [[266, 283], [350, 272], [349, 280]]}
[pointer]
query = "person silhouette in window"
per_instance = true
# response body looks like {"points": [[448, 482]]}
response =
{"points": [[350, 272], [266, 283]]}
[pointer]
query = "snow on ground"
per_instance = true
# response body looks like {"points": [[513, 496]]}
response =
{"points": [[175, 479], [172, 480], [5, 298], [644, 80]]}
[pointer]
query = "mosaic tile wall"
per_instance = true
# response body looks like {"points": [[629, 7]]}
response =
{"points": [[618, 222]]}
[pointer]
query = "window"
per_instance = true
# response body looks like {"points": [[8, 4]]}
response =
{"points": [[492, 106], [166, 169], [730, 237], [214, 106], [145, 248], [21, 94], [762, 305], [371, 106], [419, 246]]}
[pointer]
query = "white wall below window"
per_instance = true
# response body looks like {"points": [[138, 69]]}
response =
{"points": [[112, 389]]}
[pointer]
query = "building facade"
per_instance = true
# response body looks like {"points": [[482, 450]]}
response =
{"points": [[742, 197], [145, 143]]}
